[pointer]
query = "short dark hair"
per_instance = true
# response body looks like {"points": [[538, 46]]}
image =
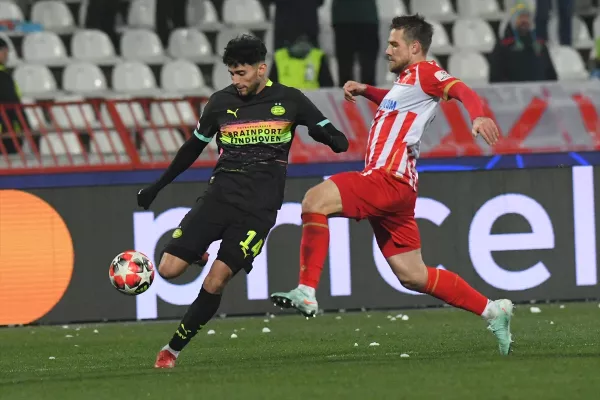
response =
{"points": [[3, 44], [415, 28], [244, 49]]}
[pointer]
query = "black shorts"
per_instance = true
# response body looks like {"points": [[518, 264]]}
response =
{"points": [[243, 232]]}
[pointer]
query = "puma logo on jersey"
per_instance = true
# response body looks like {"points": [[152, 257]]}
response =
{"points": [[234, 113]]}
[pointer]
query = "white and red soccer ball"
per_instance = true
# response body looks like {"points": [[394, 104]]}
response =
{"points": [[131, 272]]}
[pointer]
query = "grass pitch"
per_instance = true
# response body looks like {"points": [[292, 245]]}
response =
{"points": [[451, 356]]}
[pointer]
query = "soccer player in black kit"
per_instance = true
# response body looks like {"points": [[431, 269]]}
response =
{"points": [[254, 121]]}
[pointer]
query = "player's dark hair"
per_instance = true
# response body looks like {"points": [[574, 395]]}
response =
{"points": [[244, 49], [415, 28]]}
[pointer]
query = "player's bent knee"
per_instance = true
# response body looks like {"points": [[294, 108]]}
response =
{"points": [[218, 277], [171, 267], [322, 199], [410, 270]]}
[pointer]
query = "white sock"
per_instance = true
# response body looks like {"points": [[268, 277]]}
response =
{"points": [[307, 289], [170, 350], [490, 310]]}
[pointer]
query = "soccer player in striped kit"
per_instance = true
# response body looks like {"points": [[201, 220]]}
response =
{"points": [[385, 192]]}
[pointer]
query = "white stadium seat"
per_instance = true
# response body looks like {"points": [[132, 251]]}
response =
{"points": [[159, 140], [191, 44], [133, 77], [173, 111], [60, 144], [72, 116], [245, 13], [469, 66], [141, 14], [203, 15], [13, 57], [596, 26], [131, 112], [220, 76], [44, 48], [473, 34], [85, 78], [327, 40], [388, 9], [182, 76], [270, 41], [488, 9], [440, 10], [440, 43], [9, 10], [225, 36], [142, 45], [580, 34], [35, 80], [93, 46], [568, 63], [53, 15], [107, 143]]}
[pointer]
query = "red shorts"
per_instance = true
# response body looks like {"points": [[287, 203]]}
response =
{"points": [[387, 202]]}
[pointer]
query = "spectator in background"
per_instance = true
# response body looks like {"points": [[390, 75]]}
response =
{"points": [[595, 62], [565, 16], [10, 97], [294, 18], [170, 15], [102, 15], [301, 66], [356, 27], [520, 57]]}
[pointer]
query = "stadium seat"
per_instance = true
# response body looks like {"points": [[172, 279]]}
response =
{"points": [[220, 77], [10, 11], [473, 34], [44, 48], [202, 14], [225, 36], [93, 46], [13, 57], [270, 41], [133, 77], [327, 40], [141, 14], [35, 80], [191, 44], [84, 78], [596, 26], [183, 77], [581, 38], [159, 140], [142, 45], [106, 143], [131, 112], [173, 111], [487, 9], [440, 10], [440, 43], [469, 66], [245, 13], [388, 9], [324, 13], [72, 116], [568, 63], [53, 15], [35, 114], [60, 144]]}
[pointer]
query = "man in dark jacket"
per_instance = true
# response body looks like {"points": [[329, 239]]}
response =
{"points": [[356, 27], [293, 18], [520, 56]]}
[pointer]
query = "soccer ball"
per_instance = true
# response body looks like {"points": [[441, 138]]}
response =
{"points": [[131, 272]]}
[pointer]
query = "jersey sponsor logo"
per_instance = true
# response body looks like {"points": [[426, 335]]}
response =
{"points": [[264, 132], [234, 113], [388, 104], [442, 75], [277, 110]]}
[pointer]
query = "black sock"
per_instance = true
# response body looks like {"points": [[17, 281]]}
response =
{"points": [[200, 312]]}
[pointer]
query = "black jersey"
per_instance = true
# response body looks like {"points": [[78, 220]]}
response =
{"points": [[254, 135]]}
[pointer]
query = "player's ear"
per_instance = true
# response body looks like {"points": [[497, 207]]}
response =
{"points": [[262, 69]]}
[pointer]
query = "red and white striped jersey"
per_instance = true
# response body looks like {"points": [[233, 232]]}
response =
{"points": [[402, 117]]}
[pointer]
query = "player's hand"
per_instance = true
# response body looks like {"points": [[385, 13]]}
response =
{"points": [[486, 127], [146, 196], [352, 89]]}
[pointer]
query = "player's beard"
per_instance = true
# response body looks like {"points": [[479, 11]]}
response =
{"points": [[251, 91], [398, 67]]}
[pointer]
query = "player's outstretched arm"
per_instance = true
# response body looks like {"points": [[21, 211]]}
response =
{"points": [[482, 125], [372, 93], [185, 157], [324, 132]]}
